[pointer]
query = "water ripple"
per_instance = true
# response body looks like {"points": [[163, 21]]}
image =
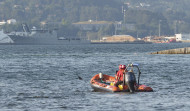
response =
{"points": [[39, 78]]}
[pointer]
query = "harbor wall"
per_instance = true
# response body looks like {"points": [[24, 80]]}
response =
{"points": [[185, 50]]}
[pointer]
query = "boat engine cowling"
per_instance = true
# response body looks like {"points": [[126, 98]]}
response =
{"points": [[130, 80]]}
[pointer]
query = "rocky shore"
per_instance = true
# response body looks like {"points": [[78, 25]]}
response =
{"points": [[185, 50]]}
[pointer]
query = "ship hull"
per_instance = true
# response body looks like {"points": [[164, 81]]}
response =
{"points": [[43, 40]]}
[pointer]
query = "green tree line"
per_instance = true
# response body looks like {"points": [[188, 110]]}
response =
{"points": [[172, 16]]}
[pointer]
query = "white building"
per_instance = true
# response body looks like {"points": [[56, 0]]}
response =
{"points": [[92, 25], [96, 25], [2, 22], [181, 37], [11, 21], [178, 37]]}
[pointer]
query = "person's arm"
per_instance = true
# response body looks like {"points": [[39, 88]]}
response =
{"points": [[118, 76]]}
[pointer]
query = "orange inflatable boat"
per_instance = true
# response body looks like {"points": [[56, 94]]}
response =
{"points": [[105, 83]]}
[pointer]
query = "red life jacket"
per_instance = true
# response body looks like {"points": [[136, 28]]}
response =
{"points": [[119, 76]]}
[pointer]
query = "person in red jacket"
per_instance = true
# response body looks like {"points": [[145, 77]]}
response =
{"points": [[119, 75]]}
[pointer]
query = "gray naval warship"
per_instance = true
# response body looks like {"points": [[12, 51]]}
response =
{"points": [[41, 37]]}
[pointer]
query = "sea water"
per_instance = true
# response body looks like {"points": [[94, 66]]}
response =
{"points": [[46, 77]]}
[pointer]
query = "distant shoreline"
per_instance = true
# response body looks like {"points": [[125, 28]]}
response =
{"points": [[136, 42]]}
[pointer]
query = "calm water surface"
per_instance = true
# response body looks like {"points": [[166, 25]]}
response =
{"points": [[44, 78]]}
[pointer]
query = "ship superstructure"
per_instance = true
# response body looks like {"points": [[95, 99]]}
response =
{"points": [[41, 37]]}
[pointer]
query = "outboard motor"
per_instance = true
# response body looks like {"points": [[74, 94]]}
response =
{"points": [[130, 80]]}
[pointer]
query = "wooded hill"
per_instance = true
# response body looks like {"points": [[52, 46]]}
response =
{"points": [[173, 16]]}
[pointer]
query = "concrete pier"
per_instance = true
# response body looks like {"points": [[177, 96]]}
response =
{"points": [[185, 50]]}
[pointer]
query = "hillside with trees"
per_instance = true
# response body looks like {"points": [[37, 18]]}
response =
{"points": [[172, 16]]}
